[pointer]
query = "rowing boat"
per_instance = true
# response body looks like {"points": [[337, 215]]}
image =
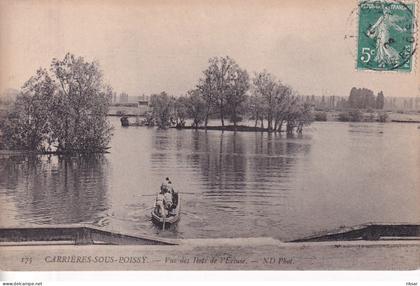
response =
{"points": [[173, 215]]}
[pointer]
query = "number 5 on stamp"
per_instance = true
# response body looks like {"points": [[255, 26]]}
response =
{"points": [[386, 35]]}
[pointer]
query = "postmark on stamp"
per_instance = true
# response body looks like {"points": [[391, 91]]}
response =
{"points": [[386, 35]]}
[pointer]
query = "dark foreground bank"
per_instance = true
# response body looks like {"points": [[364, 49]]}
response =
{"points": [[393, 247]]}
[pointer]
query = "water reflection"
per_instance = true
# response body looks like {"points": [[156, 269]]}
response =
{"points": [[274, 158], [232, 184], [242, 179], [55, 189], [221, 160]]}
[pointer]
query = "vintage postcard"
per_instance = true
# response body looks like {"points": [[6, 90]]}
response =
{"points": [[209, 135]]}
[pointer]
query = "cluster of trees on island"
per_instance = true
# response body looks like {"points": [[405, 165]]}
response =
{"points": [[226, 91], [363, 98], [361, 105], [63, 109]]}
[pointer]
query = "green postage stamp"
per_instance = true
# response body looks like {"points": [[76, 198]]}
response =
{"points": [[386, 36]]}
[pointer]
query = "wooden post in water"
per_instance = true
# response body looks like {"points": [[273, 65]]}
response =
{"points": [[164, 220]]}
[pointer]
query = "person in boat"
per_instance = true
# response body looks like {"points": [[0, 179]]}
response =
{"points": [[160, 203], [170, 186], [168, 199], [165, 184], [173, 196], [164, 200]]}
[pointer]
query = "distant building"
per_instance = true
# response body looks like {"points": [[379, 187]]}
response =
{"points": [[143, 104], [123, 98], [143, 100], [130, 105]]}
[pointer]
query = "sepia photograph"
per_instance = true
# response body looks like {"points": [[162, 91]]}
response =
{"points": [[209, 135]]}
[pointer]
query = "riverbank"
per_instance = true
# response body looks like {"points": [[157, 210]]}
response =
{"points": [[7, 152], [240, 128], [365, 116], [406, 121], [319, 116]]}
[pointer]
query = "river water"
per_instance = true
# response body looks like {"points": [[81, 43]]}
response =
{"points": [[231, 184]]}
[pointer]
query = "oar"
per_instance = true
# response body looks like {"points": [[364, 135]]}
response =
{"points": [[194, 215], [164, 220]]}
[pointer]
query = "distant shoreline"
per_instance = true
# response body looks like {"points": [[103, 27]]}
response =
{"points": [[326, 116], [240, 128], [406, 121], [9, 152]]}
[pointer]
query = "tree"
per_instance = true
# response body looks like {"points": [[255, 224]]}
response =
{"points": [[305, 116], [320, 116], [206, 90], [162, 109], [352, 115], [264, 86], [256, 109], [238, 86], [196, 107], [65, 109], [223, 86], [283, 101], [380, 100], [80, 106], [181, 110], [293, 113], [382, 117], [276, 97], [361, 98], [27, 126]]}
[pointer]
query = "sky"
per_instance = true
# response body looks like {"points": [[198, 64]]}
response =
{"points": [[146, 47]]}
